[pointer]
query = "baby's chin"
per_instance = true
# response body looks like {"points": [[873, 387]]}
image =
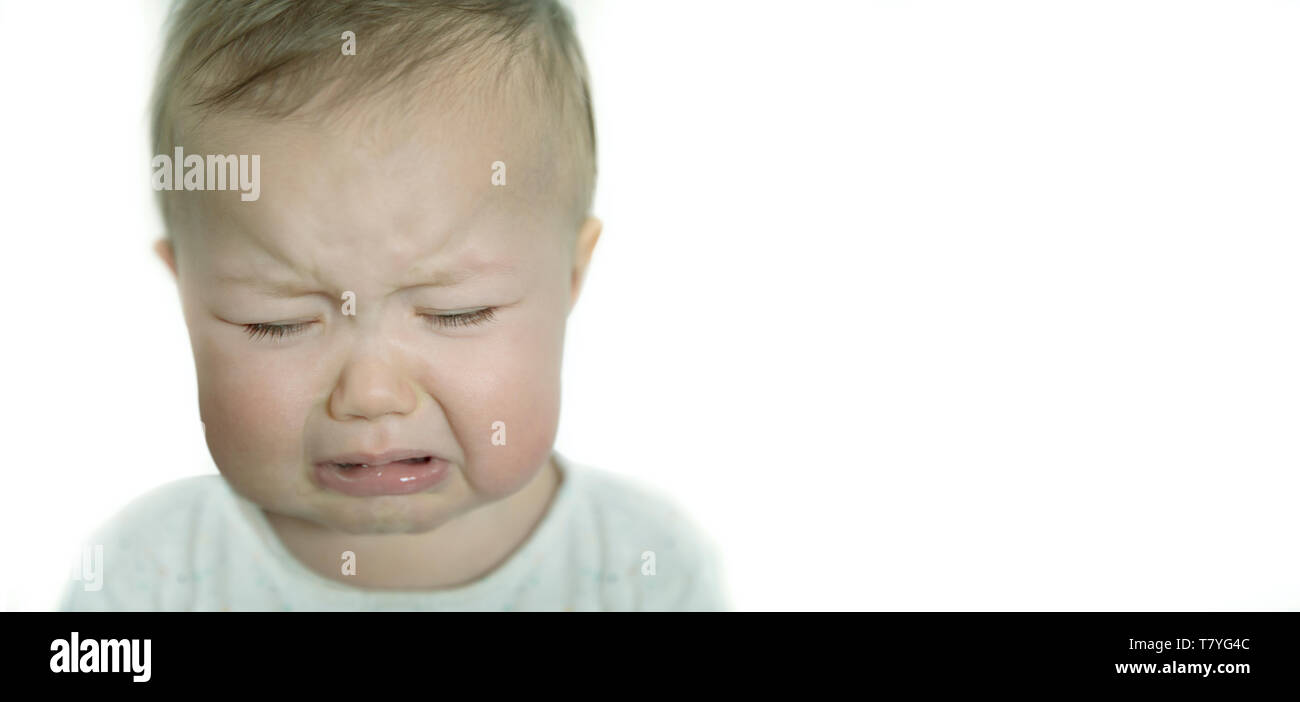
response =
{"points": [[415, 513], [398, 514], [357, 516]]}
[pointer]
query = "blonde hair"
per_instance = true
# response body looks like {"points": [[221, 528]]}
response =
{"points": [[271, 58]]}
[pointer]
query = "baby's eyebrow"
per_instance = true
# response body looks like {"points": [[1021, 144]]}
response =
{"points": [[288, 288], [444, 279], [427, 278], [447, 278]]}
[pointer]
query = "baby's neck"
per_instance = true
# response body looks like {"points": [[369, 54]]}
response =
{"points": [[457, 553]]}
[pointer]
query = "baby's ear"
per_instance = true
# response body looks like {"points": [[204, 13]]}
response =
{"points": [[587, 237], [163, 247]]}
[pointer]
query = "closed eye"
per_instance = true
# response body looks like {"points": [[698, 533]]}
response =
{"points": [[275, 331], [461, 319], [264, 330]]}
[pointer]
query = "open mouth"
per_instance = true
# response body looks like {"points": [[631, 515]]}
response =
{"points": [[400, 472], [408, 461]]}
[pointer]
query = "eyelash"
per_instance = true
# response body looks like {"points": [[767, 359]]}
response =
{"points": [[275, 331], [464, 319]]}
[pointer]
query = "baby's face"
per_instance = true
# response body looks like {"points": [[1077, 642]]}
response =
{"points": [[461, 289]]}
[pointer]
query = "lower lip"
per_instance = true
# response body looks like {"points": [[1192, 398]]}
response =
{"points": [[396, 478]]}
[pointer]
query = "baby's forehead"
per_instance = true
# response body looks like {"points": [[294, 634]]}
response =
{"points": [[442, 132], [387, 167]]}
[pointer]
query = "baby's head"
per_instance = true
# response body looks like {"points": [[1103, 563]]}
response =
{"points": [[400, 276]]}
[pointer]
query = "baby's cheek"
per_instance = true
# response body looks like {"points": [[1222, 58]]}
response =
{"points": [[506, 421], [522, 444], [250, 422]]}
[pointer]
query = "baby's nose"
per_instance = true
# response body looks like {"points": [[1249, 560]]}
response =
{"points": [[369, 387]]}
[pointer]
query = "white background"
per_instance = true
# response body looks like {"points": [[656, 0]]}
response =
{"points": [[912, 305]]}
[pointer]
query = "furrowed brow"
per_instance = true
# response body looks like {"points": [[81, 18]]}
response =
{"points": [[447, 278], [277, 286], [286, 288]]}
